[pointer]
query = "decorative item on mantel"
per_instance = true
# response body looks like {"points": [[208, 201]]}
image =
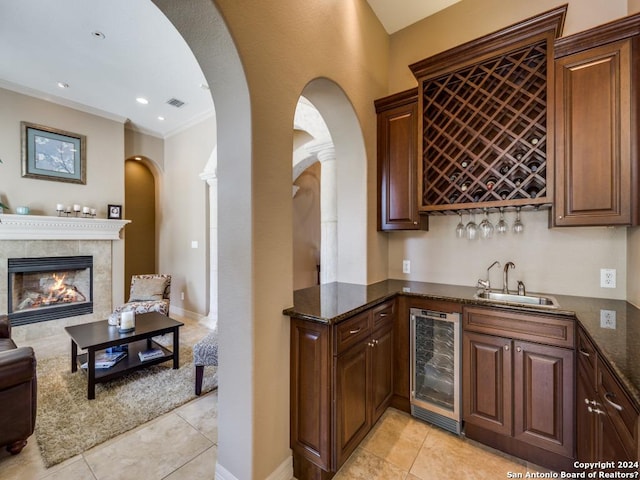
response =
{"points": [[66, 211]]}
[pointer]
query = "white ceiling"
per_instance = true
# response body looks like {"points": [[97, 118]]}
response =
{"points": [[43, 42], [398, 14]]}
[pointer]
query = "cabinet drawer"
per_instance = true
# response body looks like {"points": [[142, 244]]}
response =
{"points": [[547, 329], [384, 314], [351, 331], [618, 406]]}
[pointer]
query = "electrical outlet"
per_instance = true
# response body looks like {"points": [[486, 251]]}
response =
{"points": [[406, 266], [608, 319], [608, 277], [406, 289], [181, 295]]}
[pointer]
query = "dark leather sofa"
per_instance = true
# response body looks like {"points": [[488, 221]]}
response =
{"points": [[18, 395]]}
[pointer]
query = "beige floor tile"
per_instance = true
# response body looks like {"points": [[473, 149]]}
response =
{"points": [[77, 470], [150, 453], [202, 414], [397, 438], [363, 465], [203, 467], [444, 455]]}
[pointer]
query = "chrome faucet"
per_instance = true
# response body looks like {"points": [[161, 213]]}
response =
{"points": [[505, 278], [486, 284]]}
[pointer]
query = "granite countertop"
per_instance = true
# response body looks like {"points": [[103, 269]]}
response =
{"points": [[620, 346]]}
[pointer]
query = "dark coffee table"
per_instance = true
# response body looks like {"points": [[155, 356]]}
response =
{"points": [[100, 335]]}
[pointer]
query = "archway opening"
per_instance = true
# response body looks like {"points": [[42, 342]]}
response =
{"points": [[341, 152], [140, 203]]}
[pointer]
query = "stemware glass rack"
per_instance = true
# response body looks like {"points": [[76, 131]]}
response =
{"points": [[484, 130]]}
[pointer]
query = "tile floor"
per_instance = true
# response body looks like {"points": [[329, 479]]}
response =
{"points": [[399, 446]]}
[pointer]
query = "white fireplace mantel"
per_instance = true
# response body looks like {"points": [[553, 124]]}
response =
{"points": [[37, 227]]}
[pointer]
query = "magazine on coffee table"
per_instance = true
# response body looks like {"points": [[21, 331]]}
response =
{"points": [[150, 354], [106, 360]]}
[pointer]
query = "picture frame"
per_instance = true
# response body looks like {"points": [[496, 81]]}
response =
{"points": [[114, 212], [53, 154]]}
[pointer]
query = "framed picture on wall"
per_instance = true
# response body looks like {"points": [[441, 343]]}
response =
{"points": [[53, 154], [114, 212]]}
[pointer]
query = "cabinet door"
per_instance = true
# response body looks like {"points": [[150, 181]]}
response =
{"points": [[487, 387], [610, 448], [381, 371], [586, 420], [351, 400], [594, 135], [310, 387], [544, 396], [397, 163]]}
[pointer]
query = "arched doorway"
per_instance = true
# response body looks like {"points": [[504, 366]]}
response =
{"points": [[140, 207], [343, 159]]}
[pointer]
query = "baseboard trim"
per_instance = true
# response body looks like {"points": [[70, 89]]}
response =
{"points": [[223, 474], [283, 472], [185, 313]]}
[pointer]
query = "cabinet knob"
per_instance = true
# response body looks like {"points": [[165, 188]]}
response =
{"points": [[506, 347], [559, 217], [353, 332], [584, 352], [590, 402], [597, 411], [518, 349]]}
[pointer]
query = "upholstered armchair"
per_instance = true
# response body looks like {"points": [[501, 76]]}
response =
{"points": [[148, 293], [18, 391]]}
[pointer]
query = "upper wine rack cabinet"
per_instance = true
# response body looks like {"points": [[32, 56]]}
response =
{"points": [[486, 120]]}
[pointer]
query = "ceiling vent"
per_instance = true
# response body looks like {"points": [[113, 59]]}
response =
{"points": [[174, 102]]}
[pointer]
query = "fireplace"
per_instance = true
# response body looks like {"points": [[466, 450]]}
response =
{"points": [[48, 288]]}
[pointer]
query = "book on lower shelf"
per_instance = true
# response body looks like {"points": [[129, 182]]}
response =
{"points": [[106, 359], [150, 354]]}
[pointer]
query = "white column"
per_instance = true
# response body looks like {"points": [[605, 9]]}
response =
{"points": [[209, 176], [328, 214]]}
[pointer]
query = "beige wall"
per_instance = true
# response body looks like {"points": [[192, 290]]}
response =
{"points": [[182, 217], [105, 165], [564, 261], [306, 231], [471, 19]]}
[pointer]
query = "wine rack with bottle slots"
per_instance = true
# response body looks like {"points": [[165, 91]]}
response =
{"points": [[484, 132]]}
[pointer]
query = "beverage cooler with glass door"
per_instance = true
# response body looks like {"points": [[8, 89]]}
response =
{"points": [[436, 368]]}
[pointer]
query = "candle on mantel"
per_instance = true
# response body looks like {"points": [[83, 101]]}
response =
{"points": [[127, 320], [76, 208], [59, 207], [86, 209]]}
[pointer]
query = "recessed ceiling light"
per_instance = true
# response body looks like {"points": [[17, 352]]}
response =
{"points": [[142, 100], [63, 85], [98, 34], [160, 118]]}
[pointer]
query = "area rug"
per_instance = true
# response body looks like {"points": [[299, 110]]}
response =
{"points": [[68, 424]]}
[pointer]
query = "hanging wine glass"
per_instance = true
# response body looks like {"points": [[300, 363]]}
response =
{"points": [[472, 228], [460, 227], [502, 226], [518, 226], [486, 227]]}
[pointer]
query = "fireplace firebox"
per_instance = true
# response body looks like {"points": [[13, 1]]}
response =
{"points": [[48, 288]]}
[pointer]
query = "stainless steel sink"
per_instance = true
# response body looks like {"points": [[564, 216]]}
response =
{"points": [[498, 297]]}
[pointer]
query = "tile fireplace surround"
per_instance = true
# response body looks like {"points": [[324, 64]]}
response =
{"points": [[24, 236]]}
